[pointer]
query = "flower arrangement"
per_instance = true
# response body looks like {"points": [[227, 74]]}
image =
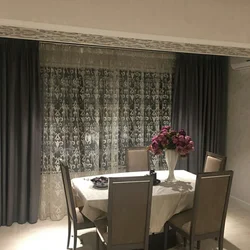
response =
{"points": [[171, 139]]}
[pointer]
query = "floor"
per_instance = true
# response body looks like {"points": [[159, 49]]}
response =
{"points": [[51, 235]]}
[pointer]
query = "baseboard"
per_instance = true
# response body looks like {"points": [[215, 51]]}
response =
{"points": [[241, 203]]}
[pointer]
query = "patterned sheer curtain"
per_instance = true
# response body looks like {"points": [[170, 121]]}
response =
{"points": [[97, 102]]}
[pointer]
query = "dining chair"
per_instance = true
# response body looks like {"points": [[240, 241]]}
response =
{"points": [[207, 217], [214, 162], [137, 159], [74, 214], [129, 208]]}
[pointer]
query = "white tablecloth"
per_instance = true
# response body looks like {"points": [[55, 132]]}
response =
{"points": [[168, 198]]}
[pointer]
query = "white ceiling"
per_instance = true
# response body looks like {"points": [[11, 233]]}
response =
{"points": [[222, 22]]}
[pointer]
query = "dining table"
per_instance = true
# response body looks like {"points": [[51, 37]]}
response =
{"points": [[168, 198]]}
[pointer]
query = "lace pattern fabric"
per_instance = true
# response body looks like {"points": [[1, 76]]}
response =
{"points": [[97, 102]]}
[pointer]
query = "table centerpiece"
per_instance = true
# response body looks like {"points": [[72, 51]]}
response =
{"points": [[174, 144]]}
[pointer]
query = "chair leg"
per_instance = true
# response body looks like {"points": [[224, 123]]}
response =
{"points": [[69, 232], [75, 237], [191, 245], [220, 243], [198, 244], [185, 241], [97, 242], [166, 229]]}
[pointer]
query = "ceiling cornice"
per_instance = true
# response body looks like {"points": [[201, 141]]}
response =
{"points": [[116, 41]]}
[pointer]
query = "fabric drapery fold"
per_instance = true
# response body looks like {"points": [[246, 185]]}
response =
{"points": [[200, 105], [97, 102], [20, 131]]}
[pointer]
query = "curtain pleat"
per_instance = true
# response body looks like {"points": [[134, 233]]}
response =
{"points": [[20, 131], [200, 105]]}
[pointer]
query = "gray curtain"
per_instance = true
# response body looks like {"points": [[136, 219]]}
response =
{"points": [[200, 105], [20, 131]]}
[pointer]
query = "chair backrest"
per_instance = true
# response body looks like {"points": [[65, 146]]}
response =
{"points": [[210, 202], [214, 162], [68, 191], [137, 159], [129, 211]]}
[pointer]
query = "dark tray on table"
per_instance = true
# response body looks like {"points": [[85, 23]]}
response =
{"points": [[100, 182]]}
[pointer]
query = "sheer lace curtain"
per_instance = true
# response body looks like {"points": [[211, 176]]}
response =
{"points": [[97, 102]]}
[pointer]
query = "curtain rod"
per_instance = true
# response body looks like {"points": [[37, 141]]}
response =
{"points": [[107, 47]]}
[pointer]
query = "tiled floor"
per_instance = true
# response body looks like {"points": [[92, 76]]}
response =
{"points": [[51, 235]]}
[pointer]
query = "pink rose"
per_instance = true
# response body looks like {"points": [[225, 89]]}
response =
{"points": [[181, 138], [161, 137], [175, 140], [154, 137], [166, 128], [182, 132]]}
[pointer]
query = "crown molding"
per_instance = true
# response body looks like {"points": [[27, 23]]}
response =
{"points": [[48, 35]]}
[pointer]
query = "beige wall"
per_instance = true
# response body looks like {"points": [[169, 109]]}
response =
{"points": [[210, 20], [238, 139]]}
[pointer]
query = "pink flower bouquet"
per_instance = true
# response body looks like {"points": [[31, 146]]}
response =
{"points": [[171, 139]]}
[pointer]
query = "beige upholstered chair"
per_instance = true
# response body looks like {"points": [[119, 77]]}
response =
{"points": [[214, 162], [137, 159], [129, 208], [74, 215], [207, 218]]}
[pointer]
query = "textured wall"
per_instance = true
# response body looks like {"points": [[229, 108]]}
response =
{"points": [[238, 131], [216, 20]]}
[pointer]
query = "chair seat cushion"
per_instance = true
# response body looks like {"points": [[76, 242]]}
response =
{"points": [[79, 216], [83, 221], [182, 221]]}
